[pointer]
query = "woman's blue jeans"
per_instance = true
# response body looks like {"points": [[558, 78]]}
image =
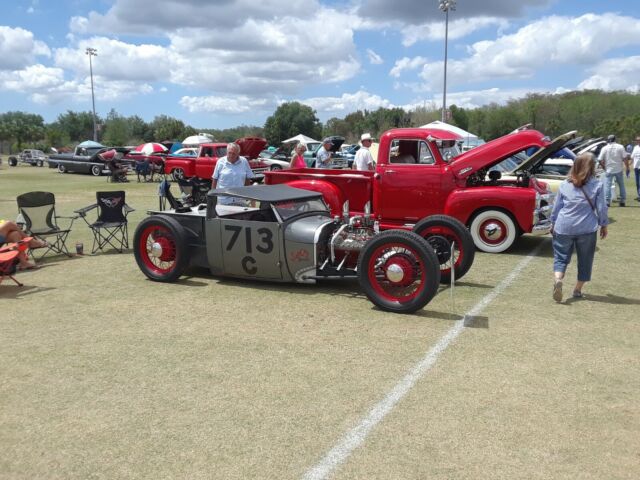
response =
{"points": [[585, 246]]}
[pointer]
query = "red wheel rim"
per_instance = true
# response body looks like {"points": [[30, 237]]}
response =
{"points": [[492, 231], [157, 249], [451, 236], [396, 272]]}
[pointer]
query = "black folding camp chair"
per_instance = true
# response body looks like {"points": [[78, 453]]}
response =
{"points": [[39, 212], [111, 226]]}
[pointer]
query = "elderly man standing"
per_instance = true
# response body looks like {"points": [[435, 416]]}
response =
{"points": [[612, 157], [231, 170], [363, 159], [323, 157]]}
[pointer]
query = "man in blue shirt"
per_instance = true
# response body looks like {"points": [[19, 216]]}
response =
{"points": [[323, 157], [231, 171]]}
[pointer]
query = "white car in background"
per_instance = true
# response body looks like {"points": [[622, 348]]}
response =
{"points": [[277, 160]]}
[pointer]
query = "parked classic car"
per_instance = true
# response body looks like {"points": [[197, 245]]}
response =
{"points": [[35, 158], [285, 234]]}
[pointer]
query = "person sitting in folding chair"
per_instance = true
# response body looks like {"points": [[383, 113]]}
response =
{"points": [[41, 221], [143, 167], [11, 259], [111, 225], [113, 160], [156, 170], [10, 233]]}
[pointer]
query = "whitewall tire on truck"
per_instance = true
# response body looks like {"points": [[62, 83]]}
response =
{"points": [[493, 231]]}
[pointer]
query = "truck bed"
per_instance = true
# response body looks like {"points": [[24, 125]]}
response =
{"points": [[356, 185]]}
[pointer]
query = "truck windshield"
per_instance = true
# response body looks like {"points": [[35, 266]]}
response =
{"points": [[291, 208]]}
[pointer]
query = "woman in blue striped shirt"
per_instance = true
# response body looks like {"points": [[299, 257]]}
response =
{"points": [[579, 210]]}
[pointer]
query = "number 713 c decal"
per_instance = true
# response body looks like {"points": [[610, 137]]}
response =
{"points": [[264, 244]]}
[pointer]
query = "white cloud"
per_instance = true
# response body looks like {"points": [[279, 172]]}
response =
{"points": [[18, 48], [374, 58], [117, 60], [125, 15], [47, 85], [549, 41], [34, 77], [347, 103], [615, 74], [413, 12], [457, 29], [406, 63], [265, 53], [477, 98], [225, 105]]}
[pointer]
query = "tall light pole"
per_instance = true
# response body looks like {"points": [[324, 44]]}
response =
{"points": [[445, 6], [92, 52]]}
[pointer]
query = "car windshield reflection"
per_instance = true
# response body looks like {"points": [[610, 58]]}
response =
{"points": [[288, 209]]}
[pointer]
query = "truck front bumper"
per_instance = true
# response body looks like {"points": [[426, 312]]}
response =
{"points": [[541, 228]]}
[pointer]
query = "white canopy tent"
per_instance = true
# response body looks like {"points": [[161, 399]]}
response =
{"points": [[450, 128], [300, 138], [469, 139]]}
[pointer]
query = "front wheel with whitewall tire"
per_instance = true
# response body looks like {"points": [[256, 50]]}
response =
{"points": [[493, 231]]}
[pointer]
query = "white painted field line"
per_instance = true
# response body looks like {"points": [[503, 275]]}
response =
{"points": [[357, 435]]}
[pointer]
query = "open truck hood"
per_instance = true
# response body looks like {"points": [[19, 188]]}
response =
{"points": [[536, 160], [491, 153], [251, 147]]}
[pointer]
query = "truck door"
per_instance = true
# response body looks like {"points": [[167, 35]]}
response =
{"points": [[206, 161], [409, 182]]}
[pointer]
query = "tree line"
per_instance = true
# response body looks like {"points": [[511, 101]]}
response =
{"points": [[592, 113]]}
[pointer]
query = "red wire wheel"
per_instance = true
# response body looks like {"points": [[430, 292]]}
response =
{"points": [[441, 231], [399, 271], [161, 248]]}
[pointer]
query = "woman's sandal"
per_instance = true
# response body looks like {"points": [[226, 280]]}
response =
{"points": [[557, 291]]}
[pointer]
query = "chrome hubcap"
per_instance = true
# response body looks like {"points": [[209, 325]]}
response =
{"points": [[493, 231], [395, 273], [156, 250]]}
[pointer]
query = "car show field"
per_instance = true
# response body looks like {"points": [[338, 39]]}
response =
{"points": [[106, 374]]}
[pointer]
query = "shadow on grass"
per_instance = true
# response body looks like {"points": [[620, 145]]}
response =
{"points": [[14, 292], [608, 298]]}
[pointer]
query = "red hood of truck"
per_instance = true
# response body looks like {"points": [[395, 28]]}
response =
{"points": [[250, 147], [491, 153]]}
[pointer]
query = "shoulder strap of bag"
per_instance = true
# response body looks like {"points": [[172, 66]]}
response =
{"points": [[590, 202]]}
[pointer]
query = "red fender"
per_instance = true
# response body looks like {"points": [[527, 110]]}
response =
{"points": [[331, 193]]}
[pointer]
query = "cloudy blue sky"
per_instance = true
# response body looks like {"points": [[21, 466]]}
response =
{"points": [[221, 63]]}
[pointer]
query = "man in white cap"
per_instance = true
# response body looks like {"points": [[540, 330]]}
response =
{"points": [[364, 159]]}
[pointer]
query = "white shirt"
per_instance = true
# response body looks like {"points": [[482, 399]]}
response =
{"points": [[635, 156], [231, 175], [613, 156], [363, 159], [323, 158]]}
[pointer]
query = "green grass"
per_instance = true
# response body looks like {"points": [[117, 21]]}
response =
{"points": [[105, 374]]}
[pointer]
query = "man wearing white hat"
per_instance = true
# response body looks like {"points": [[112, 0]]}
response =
{"points": [[364, 159]]}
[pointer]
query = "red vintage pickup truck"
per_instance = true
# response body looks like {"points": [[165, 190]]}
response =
{"points": [[420, 173], [202, 165]]}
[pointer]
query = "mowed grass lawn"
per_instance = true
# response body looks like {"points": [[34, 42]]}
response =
{"points": [[104, 374]]}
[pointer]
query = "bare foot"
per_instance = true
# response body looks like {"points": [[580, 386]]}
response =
{"points": [[37, 243], [27, 266]]}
